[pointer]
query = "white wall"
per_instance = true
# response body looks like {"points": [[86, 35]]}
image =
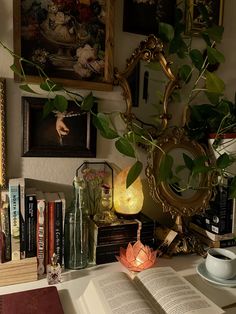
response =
{"points": [[51, 172]]}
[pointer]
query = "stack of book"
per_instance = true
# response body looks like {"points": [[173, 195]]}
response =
{"points": [[32, 224], [106, 240], [217, 226]]}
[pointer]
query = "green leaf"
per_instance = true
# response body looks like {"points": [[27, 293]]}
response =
{"points": [[124, 147], [214, 56], [200, 169], [88, 102], [48, 107], [50, 86], [133, 173], [27, 88], [166, 31], [215, 33], [101, 122], [185, 73], [15, 69], [224, 161], [177, 45], [214, 84], [165, 170], [213, 97], [197, 58], [60, 103], [188, 162]]}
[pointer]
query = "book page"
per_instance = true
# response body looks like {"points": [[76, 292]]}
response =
{"points": [[174, 293], [113, 293]]}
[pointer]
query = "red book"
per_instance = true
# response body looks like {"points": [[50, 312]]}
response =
{"points": [[54, 226], [37, 301]]}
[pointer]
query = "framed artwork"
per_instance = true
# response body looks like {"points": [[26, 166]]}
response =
{"points": [[67, 134], [143, 17], [194, 20], [70, 40], [2, 133]]}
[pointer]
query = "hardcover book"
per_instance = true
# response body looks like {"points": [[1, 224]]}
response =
{"points": [[163, 291], [37, 301], [222, 243], [31, 222], [41, 232], [14, 197], [106, 240], [55, 228], [210, 235], [5, 226]]}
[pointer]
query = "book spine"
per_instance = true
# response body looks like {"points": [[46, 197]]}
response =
{"points": [[227, 243], [58, 230], [14, 195], [5, 226], [41, 236], [63, 200], [22, 221], [31, 222], [210, 235], [51, 224]]}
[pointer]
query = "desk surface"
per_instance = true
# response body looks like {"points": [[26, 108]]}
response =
{"points": [[74, 282]]}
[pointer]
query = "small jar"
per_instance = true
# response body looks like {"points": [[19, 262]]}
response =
{"points": [[76, 230]]}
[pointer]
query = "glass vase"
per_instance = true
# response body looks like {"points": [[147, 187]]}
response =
{"points": [[76, 229]]}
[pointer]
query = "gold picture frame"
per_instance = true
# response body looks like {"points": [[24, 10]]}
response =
{"points": [[194, 23], [72, 42], [2, 133]]}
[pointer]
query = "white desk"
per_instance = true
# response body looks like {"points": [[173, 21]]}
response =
{"points": [[74, 282]]}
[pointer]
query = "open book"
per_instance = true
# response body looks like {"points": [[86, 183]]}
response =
{"points": [[155, 290]]}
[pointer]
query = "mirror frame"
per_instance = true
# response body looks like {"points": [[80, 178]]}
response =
{"points": [[149, 50], [161, 192], [2, 133]]}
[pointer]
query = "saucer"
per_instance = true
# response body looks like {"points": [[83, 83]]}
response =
{"points": [[202, 271]]}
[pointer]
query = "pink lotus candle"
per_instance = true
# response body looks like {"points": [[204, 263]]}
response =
{"points": [[137, 257]]}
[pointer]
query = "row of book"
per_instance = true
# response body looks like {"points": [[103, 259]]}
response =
{"points": [[216, 227], [31, 224]]}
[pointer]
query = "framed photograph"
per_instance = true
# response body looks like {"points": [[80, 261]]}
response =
{"points": [[143, 17], [70, 40], [67, 134], [2, 133], [194, 20]]}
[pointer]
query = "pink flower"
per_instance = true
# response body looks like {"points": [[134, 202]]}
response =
{"points": [[137, 257]]}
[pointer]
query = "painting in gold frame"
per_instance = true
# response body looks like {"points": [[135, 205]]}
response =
{"points": [[194, 21], [71, 40], [2, 133]]}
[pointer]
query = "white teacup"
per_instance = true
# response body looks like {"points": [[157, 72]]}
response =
{"points": [[221, 263]]}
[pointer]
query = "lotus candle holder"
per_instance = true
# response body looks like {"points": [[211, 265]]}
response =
{"points": [[137, 257]]}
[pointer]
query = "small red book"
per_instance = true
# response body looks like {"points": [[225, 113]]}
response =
{"points": [[37, 301]]}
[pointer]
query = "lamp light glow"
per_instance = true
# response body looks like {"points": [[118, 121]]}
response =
{"points": [[127, 201]]}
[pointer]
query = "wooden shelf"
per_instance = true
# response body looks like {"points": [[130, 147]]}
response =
{"points": [[14, 272]]}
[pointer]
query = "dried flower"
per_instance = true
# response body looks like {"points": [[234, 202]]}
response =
{"points": [[94, 180], [137, 257]]}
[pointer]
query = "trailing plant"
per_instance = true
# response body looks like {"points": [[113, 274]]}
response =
{"points": [[194, 70]]}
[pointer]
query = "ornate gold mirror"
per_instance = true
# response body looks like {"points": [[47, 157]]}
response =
{"points": [[149, 51], [172, 141]]}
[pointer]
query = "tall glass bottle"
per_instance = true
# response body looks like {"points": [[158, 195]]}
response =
{"points": [[76, 229]]}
